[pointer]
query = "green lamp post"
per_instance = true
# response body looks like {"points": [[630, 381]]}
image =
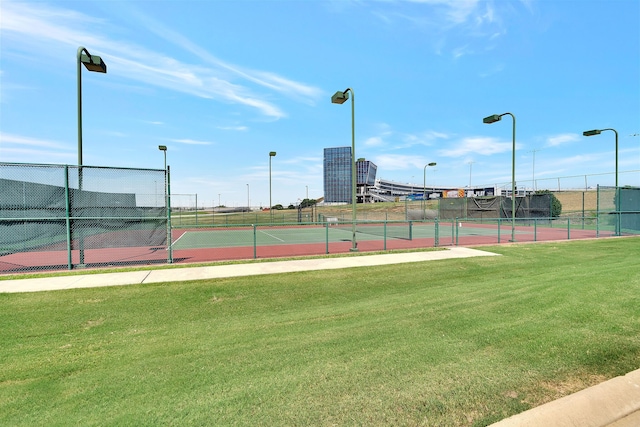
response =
{"points": [[92, 63], [340, 97], [424, 185], [167, 202], [271, 154], [598, 132], [496, 118]]}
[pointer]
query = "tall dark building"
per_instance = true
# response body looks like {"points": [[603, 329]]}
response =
{"points": [[337, 175]]}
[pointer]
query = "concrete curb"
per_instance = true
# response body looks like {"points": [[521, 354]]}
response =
{"points": [[613, 403]]}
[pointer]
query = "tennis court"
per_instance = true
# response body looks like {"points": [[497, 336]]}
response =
{"points": [[206, 244], [273, 241]]}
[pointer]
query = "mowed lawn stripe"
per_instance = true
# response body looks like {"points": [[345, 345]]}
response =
{"points": [[453, 342]]}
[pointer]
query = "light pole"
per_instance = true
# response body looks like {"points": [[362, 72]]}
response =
{"points": [[597, 132], [340, 97], [163, 148], [271, 154], [424, 185], [91, 63], [496, 118], [470, 166], [248, 200], [533, 170]]}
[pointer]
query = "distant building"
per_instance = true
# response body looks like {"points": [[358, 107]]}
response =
{"points": [[337, 183], [337, 176]]}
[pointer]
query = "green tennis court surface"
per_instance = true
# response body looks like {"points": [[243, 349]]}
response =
{"points": [[279, 235]]}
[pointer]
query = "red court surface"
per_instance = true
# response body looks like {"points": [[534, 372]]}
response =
{"points": [[56, 259]]}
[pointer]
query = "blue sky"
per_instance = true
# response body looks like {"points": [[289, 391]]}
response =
{"points": [[223, 83]]}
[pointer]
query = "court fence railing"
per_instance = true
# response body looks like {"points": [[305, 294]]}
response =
{"points": [[56, 217], [334, 236]]}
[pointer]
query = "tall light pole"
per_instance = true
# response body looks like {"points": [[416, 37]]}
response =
{"points": [[91, 63], [470, 166], [424, 184], [163, 148], [271, 154], [533, 170], [248, 200], [597, 132], [496, 118], [340, 97]]}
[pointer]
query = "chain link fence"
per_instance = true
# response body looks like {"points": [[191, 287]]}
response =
{"points": [[60, 216]]}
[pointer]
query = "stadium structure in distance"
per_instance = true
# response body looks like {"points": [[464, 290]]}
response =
{"points": [[337, 183]]}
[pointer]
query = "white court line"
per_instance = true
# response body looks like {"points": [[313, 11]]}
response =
{"points": [[271, 235], [176, 241]]}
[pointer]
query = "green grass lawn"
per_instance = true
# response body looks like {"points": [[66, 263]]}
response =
{"points": [[441, 343]]}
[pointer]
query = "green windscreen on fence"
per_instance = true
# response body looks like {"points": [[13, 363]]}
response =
{"points": [[529, 206], [78, 214], [619, 209]]}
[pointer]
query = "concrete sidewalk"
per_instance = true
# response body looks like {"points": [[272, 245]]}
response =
{"points": [[231, 270], [613, 403]]}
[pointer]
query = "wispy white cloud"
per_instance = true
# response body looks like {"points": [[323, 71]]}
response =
{"points": [[393, 162], [483, 146], [556, 140], [263, 78], [191, 142], [374, 141], [236, 128], [388, 138], [456, 11], [54, 30], [17, 148], [7, 139], [456, 27]]}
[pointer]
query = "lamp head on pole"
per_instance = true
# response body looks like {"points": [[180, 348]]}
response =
{"points": [[93, 63], [162, 147], [492, 119], [272, 153], [431, 164], [339, 97], [591, 132]]}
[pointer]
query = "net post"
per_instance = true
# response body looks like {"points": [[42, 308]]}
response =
{"points": [[255, 241], [326, 228], [67, 204], [384, 233], [169, 239], [598, 210], [455, 225]]}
